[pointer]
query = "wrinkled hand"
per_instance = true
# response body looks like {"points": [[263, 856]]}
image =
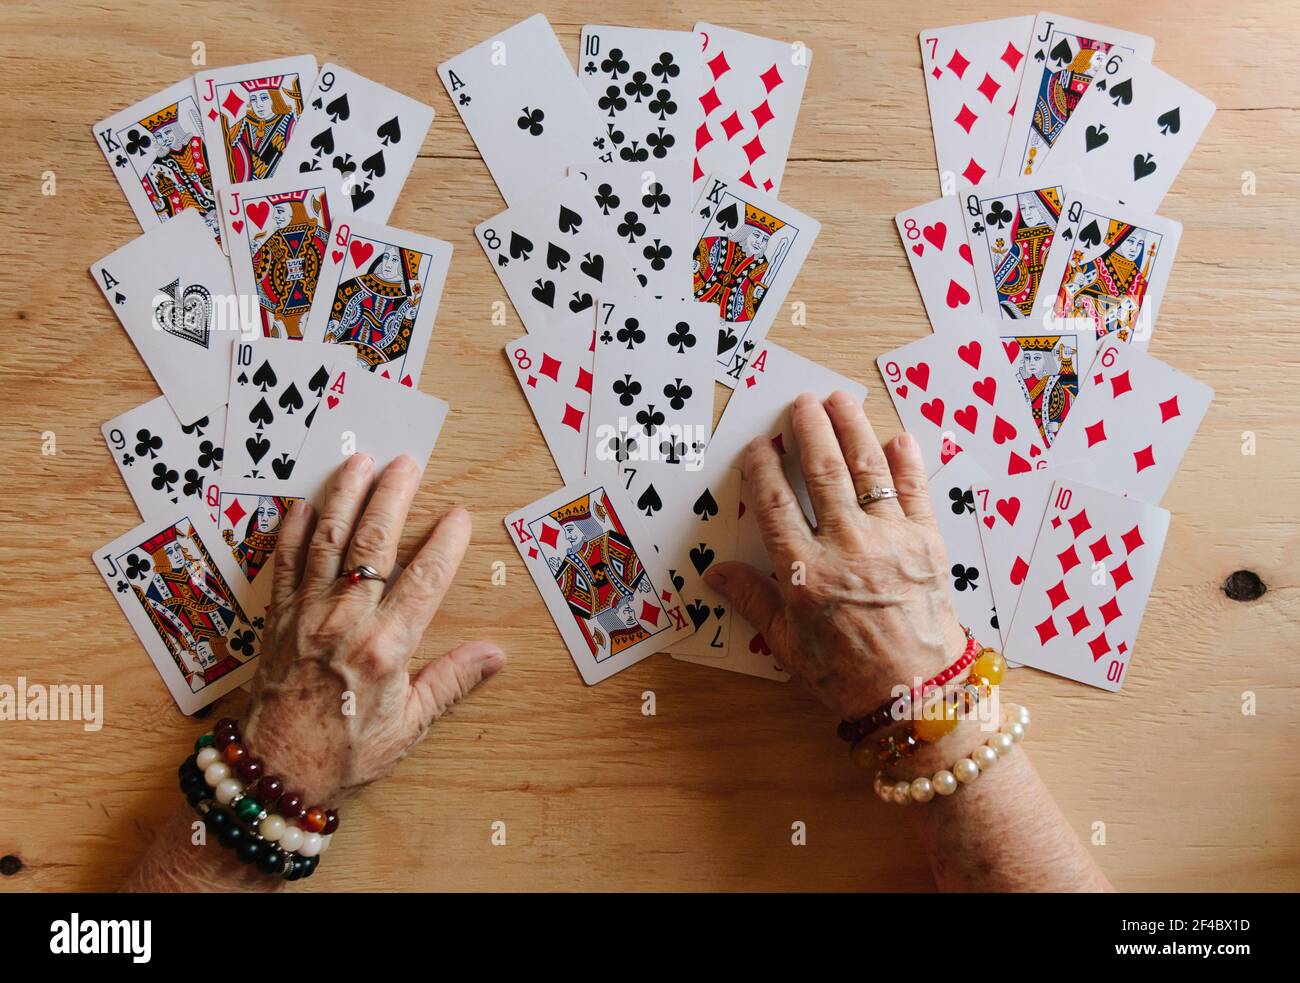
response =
{"points": [[873, 611], [326, 637]]}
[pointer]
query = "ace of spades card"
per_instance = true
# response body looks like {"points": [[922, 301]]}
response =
{"points": [[940, 257], [158, 156], [526, 111], [1109, 268], [751, 88], [277, 232], [1011, 226], [377, 294], [1048, 366], [1010, 511], [196, 614], [953, 502], [555, 255], [165, 462], [554, 372], [1065, 56], [362, 134], [606, 588], [172, 291], [1094, 563], [748, 253], [248, 515]]}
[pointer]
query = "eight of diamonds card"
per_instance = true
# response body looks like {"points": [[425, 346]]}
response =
{"points": [[1088, 584], [195, 612], [554, 372], [1011, 227], [596, 568]]}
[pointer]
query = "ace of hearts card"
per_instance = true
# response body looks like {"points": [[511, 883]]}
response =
{"points": [[596, 568]]}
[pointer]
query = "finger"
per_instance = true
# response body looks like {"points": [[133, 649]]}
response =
{"points": [[291, 551], [822, 461], [781, 521], [339, 514], [866, 462], [374, 542], [908, 468], [754, 595], [449, 679], [415, 597]]}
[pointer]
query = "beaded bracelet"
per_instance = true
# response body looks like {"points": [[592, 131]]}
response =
{"points": [[965, 771]]}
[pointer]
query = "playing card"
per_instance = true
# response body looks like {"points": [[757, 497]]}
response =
{"points": [[364, 135], [250, 115], [248, 515], [747, 256], [1134, 129], [934, 238], [1010, 226], [1065, 56], [275, 386], [277, 232], [1132, 423], [1087, 587], [554, 372], [972, 78], [362, 413], [195, 613], [171, 288], [696, 528], [646, 86], [752, 89], [163, 461], [607, 589], [158, 156], [955, 392], [1110, 267], [1009, 512], [377, 293], [525, 109], [1048, 366], [554, 254], [953, 502]]}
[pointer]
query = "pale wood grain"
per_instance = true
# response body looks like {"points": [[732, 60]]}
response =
{"points": [[1192, 793]]}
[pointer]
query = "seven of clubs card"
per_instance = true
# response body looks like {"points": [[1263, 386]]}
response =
{"points": [[554, 372], [1011, 226], [162, 460], [941, 262]]}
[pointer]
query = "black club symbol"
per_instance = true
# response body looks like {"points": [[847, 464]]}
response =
{"points": [[146, 444], [631, 333], [961, 501], [531, 120], [964, 578], [193, 483], [615, 64], [660, 143], [123, 587], [681, 338], [999, 215], [665, 68], [137, 142], [662, 104], [656, 198], [464, 99], [616, 136], [119, 161], [259, 622], [606, 338], [163, 477], [622, 448], [638, 87], [678, 393], [128, 459], [634, 154], [649, 418], [590, 68], [672, 450], [631, 227], [606, 200], [242, 642], [657, 254], [137, 567], [210, 455], [627, 389], [978, 228], [598, 143], [611, 101]]}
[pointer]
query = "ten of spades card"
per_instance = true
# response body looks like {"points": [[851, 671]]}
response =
{"points": [[165, 462]]}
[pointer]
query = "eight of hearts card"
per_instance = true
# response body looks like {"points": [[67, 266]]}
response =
{"points": [[193, 609], [1088, 584], [378, 293], [941, 262], [1011, 226], [596, 568], [749, 251], [158, 156], [277, 232], [162, 461], [364, 135], [554, 372]]}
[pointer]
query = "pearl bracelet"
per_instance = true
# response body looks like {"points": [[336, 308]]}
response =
{"points": [[965, 771]]}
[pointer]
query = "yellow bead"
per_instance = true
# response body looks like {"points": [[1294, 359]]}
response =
{"points": [[990, 666], [931, 729]]}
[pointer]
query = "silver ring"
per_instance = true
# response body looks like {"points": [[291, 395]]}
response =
{"points": [[877, 493], [363, 572]]}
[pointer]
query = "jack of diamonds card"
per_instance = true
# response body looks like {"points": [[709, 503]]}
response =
{"points": [[605, 586], [195, 612], [1011, 226], [158, 156], [1089, 580]]}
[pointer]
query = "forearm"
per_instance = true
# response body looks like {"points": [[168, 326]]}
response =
{"points": [[175, 862]]}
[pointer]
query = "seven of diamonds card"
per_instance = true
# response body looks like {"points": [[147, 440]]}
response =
{"points": [[607, 589]]}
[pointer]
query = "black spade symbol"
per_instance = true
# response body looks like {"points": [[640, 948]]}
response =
{"points": [[557, 257], [1095, 136], [282, 466], [1062, 54], [593, 266], [318, 382], [338, 109], [374, 165], [701, 557], [1122, 93], [699, 612], [544, 292], [291, 399], [520, 246], [1091, 234], [705, 506], [1170, 122], [650, 502], [729, 217], [1143, 164], [264, 377], [390, 132], [580, 302], [260, 415], [569, 220], [323, 142]]}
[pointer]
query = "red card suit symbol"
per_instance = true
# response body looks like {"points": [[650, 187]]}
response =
{"points": [[967, 418], [361, 251], [988, 521], [237, 225], [985, 389], [970, 354], [1034, 450], [964, 253], [332, 401], [1017, 464], [1002, 431], [902, 391], [1018, 571], [919, 249], [258, 212], [919, 375], [936, 235], [948, 451], [336, 255], [1008, 508], [757, 644], [933, 411], [1012, 348], [957, 294]]}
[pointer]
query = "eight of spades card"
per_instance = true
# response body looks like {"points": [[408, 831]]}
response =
{"points": [[554, 372], [248, 515], [748, 254], [275, 387], [953, 503], [158, 156], [1065, 56], [525, 109], [1048, 366], [162, 460], [378, 293], [171, 289], [1011, 226], [596, 568], [1110, 267], [1009, 511], [555, 254], [362, 134], [941, 261], [196, 614], [277, 232]]}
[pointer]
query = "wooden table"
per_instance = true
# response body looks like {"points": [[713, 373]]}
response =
{"points": [[1190, 793]]}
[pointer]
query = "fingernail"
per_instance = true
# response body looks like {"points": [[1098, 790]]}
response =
{"points": [[805, 399], [714, 578], [300, 507], [493, 661], [359, 462], [906, 443]]}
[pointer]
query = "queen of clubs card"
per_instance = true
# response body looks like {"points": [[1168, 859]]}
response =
{"points": [[1019, 256]]}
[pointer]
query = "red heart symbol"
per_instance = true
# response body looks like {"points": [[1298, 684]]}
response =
{"points": [[967, 418], [1008, 508], [756, 645], [1018, 571], [970, 354], [1017, 464], [1012, 348], [948, 451], [258, 212], [333, 401], [936, 235], [902, 391], [360, 251], [1034, 450], [919, 375], [336, 255], [964, 253], [933, 411], [957, 294], [919, 249], [989, 520], [237, 225], [986, 389], [1002, 431]]}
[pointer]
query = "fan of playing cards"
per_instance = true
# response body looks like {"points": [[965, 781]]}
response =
{"points": [[647, 254]]}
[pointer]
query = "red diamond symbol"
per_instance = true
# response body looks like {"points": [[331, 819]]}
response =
{"points": [[1121, 384], [1012, 56], [965, 118], [1145, 458], [767, 184], [771, 78], [988, 88], [754, 149], [1046, 631], [235, 512], [550, 534], [1079, 620], [1121, 648], [1120, 575], [1099, 646], [1132, 539], [1069, 559], [584, 381], [1110, 611], [957, 64], [650, 613], [973, 172], [550, 367], [532, 381], [732, 125], [573, 418], [1056, 522], [1079, 523], [702, 136], [232, 103], [710, 101], [1169, 409], [749, 382], [666, 596], [532, 552], [763, 114], [213, 114], [1100, 549], [1058, 595], [718, 65], [748, 179], [937, 72], [696, 172], [1096, 433]]}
